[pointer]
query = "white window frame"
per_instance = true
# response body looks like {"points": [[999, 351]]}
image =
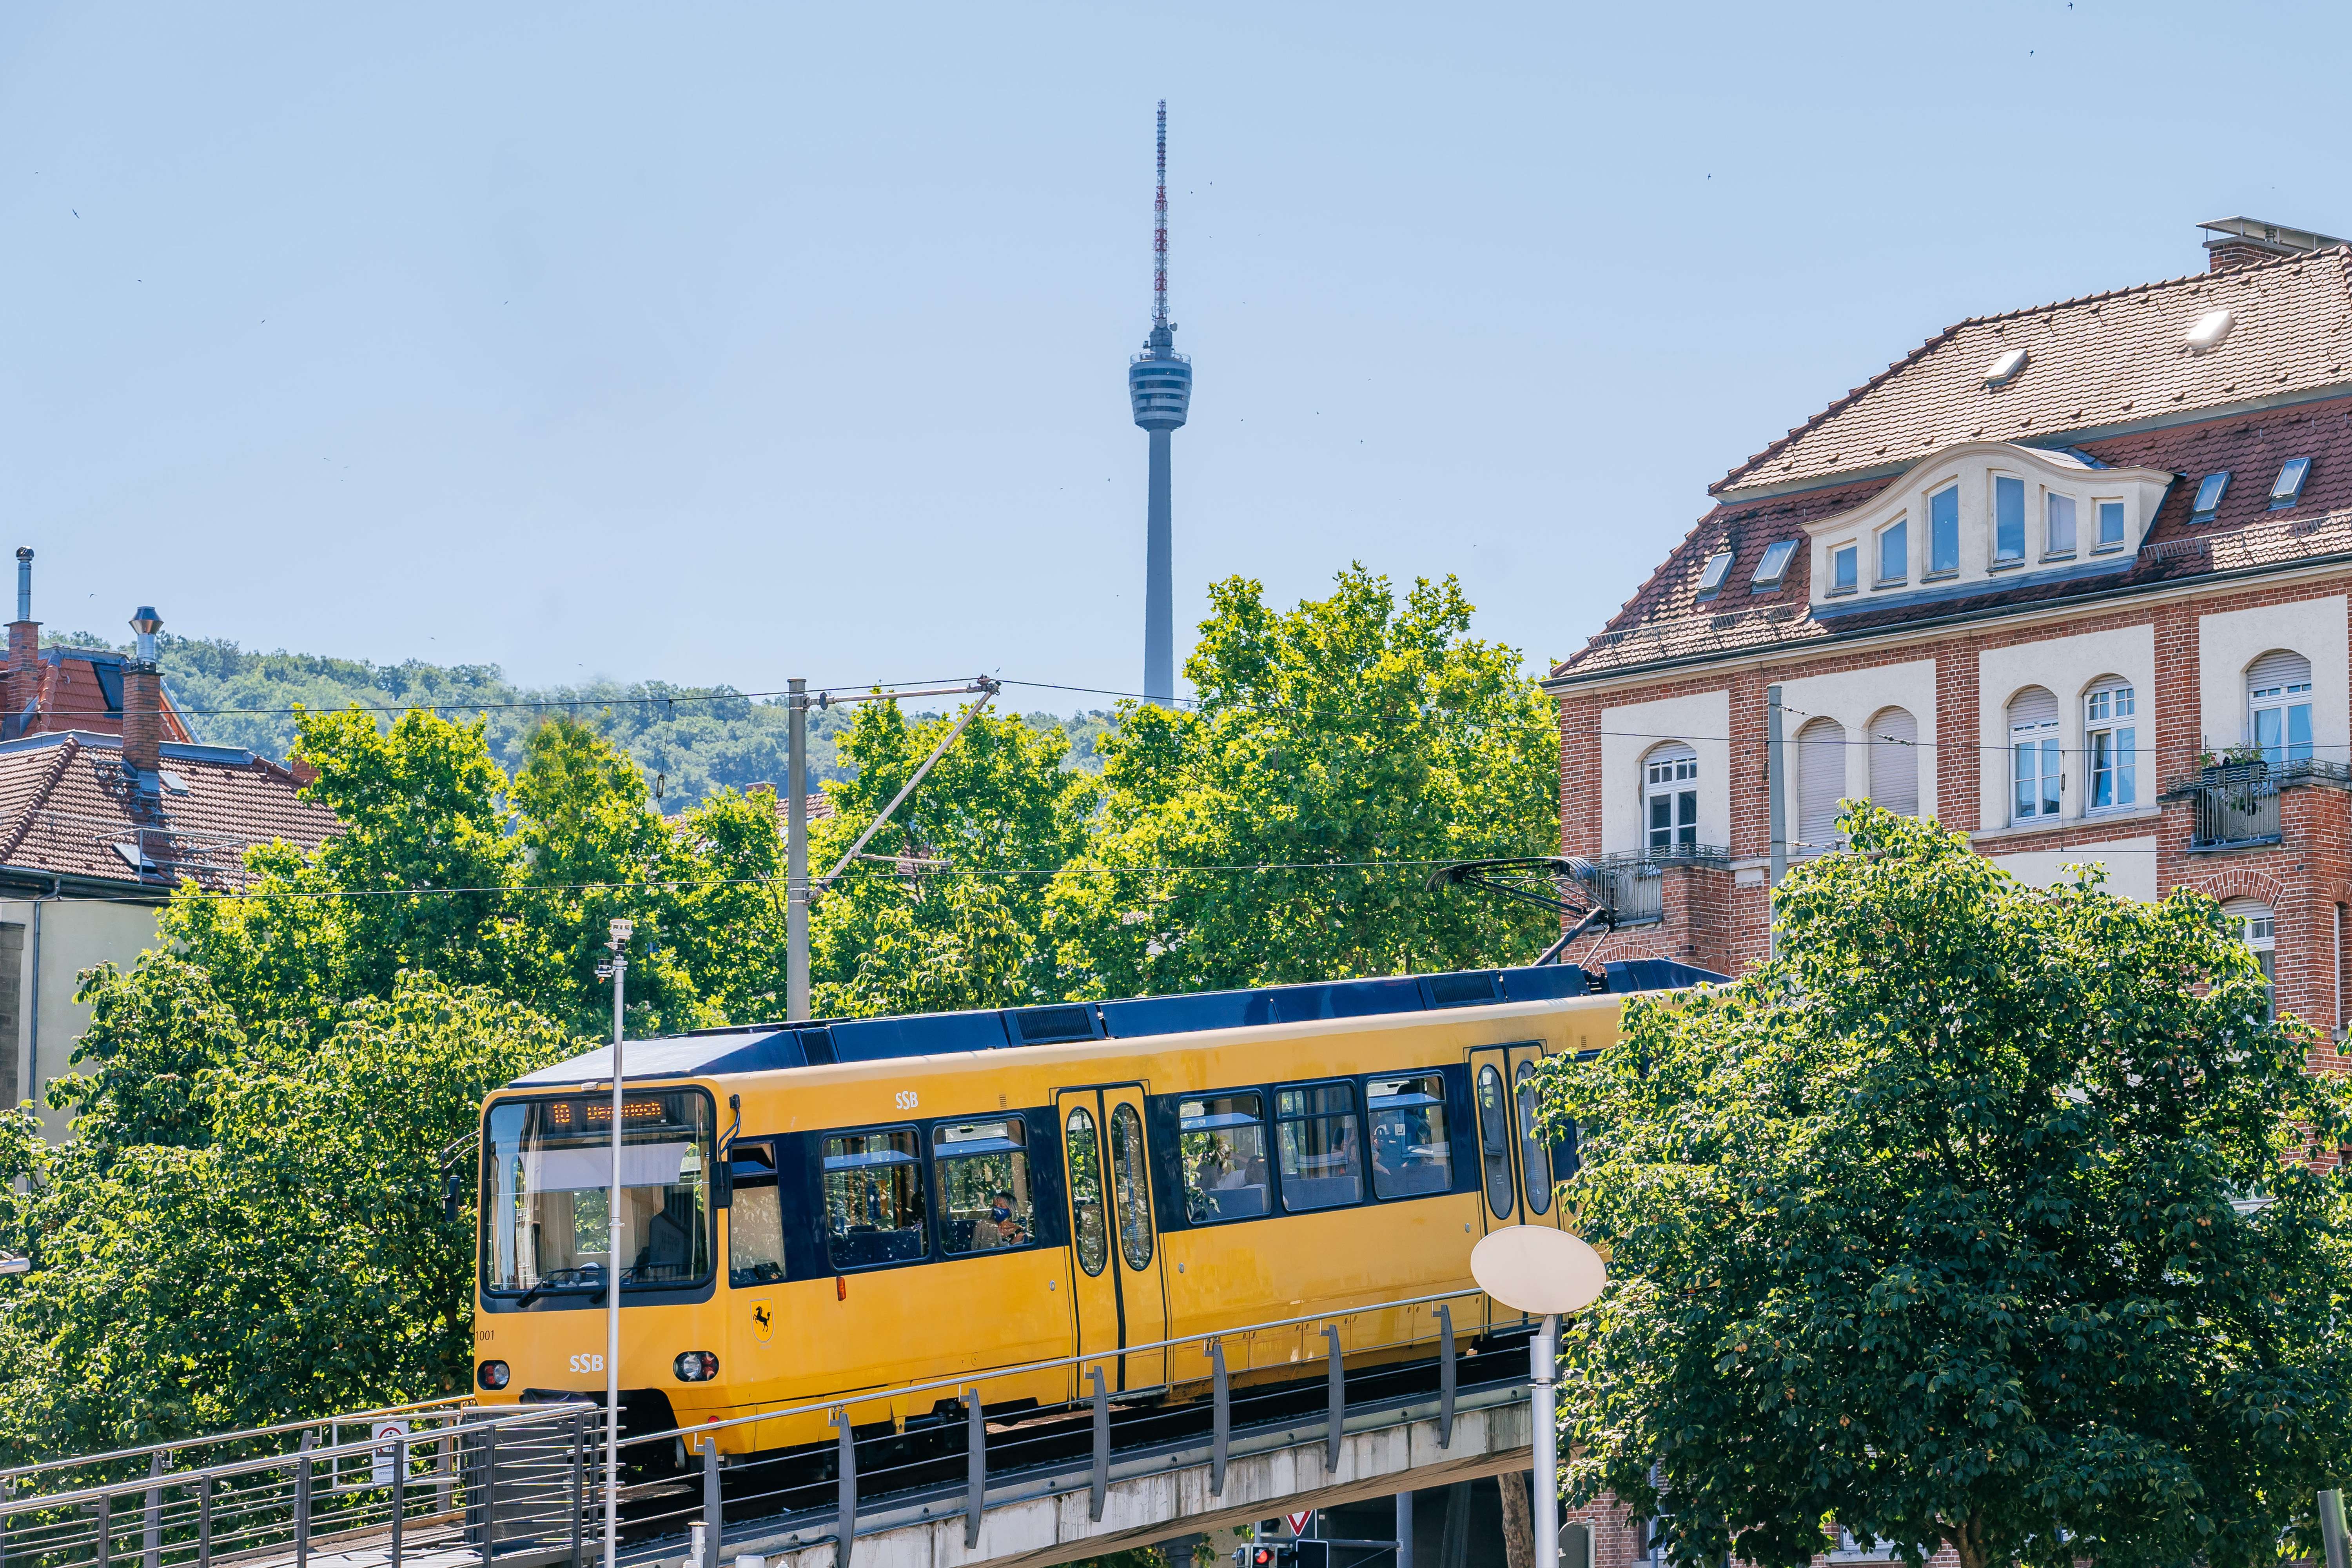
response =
{"points": [[1927, 510], [2258, 929], [2110, 737], [1670, 777], [1994, 479], [2048, 757], [2098, 511], [1885, 579], [2050, 502], [1849, 547], [2285, 700]]}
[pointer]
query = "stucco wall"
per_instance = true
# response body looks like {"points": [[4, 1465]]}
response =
{"points": [[1853, 698], [2067, 667], [73, 935], [1630, 733], [2232, 639], [2130, 865]]}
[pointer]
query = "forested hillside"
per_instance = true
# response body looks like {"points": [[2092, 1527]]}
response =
{"points": [[689, 740]]}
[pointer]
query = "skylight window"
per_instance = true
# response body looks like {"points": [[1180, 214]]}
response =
{"points": [[2208, 330], [2209, 490], [1774, 567], [2004, 370], [1718, 566], [2286, 490]]}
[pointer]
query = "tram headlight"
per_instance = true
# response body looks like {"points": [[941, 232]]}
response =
{"points": [[493, 1375], [695, 1366]]}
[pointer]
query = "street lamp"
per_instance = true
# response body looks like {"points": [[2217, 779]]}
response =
{"points": [[616, 969], [1542, 1272]]}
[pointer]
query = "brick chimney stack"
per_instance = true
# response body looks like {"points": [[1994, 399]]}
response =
{"points": [[2249, 241], [142, 699], [22, 685]]}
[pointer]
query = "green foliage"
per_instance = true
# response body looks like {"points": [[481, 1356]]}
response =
{"points": [[935, 919], [263, 1240], [1926, 1227], [1344, 745]]}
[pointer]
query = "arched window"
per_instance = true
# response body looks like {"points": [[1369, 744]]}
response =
{"points": [[1821, 781], [2278, 707], [2037, 764], [2111, 743], [1670, 798], [2259, 927], [1895, 761]]}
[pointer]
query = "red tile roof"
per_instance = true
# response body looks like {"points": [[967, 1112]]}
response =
{"points": [[81, 689], [2103, 360], [1662, 622], [69, 807]]}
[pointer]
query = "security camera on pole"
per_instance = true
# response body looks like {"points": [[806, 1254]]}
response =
{"points": [[616, 970], [1544, 1273]]}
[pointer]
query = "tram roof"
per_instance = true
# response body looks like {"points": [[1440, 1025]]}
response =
{"points": [[764, 1047]]}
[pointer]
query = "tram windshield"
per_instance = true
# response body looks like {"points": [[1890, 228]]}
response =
{"points": [[547, 1171]]}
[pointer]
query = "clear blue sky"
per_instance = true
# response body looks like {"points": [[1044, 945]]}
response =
{"points": [[726, 342]]}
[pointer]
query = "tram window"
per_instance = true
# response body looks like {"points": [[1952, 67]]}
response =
{"points": [[1411, 1155], [548, 1167], [1133, 1186], [984, 1182], [1535, 1154], [1223, 1156], [1315, 1129], [755, 1223], [1087, 1221], [1494, 1141], [874, 1198]]}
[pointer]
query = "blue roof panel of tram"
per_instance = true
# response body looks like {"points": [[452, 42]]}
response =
{"points": [[766, 1047]]}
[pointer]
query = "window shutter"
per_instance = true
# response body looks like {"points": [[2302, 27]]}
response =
{"points": [[1894, 761], [1820, 780], [2279, 669], [2033, 706]]}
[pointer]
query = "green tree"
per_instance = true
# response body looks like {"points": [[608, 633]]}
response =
{"points": [[262, 1235], [1344, 746], [950, 909], [1980, 1215]]}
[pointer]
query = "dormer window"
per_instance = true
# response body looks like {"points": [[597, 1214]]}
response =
{"points": [[1710, 580], [1944, 531], [1844, 569], [1894, 553], [2286, 490], [2008, 519], [2059, 539], [2209, 490], [1774, 567], [2111, 524]]}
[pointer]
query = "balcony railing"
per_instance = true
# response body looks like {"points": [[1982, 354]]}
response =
{"points": [[1630, 884], [2235, 807]]}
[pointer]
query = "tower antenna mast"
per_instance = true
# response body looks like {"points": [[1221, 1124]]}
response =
{"points": [[1159, 229]]}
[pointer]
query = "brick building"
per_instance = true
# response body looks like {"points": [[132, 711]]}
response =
{"points": [[2072, 579]]}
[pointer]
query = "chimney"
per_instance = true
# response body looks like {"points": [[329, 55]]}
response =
{"points": [[142, 701], [22, 685], [2239, 242]]}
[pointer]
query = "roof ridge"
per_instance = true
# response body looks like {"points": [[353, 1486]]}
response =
{"points": [[2342, 252], [24, 823]]}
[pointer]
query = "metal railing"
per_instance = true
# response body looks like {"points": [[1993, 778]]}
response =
{"points": [[522, 1486], [510, 1486], [1631, 884], [2234, 807]]}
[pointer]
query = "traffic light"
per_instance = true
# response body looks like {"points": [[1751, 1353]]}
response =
{"points": [[1284, 1554]]}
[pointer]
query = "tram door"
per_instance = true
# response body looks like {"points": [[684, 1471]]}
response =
{"points": [[1515, 1174], [1117, 1295]]}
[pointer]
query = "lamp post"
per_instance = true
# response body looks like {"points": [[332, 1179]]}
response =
{"points": [[1545, 1273], [616, 969]]}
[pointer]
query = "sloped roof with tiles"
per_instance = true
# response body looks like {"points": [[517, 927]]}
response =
{"points": [[1667, 623], [69, 807], [2101, 361], [81, 689]]}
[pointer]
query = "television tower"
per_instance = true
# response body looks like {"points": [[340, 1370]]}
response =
{"points": [[1159, 383]]}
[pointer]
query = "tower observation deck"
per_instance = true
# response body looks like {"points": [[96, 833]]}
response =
{"points": [[1159, 385]]}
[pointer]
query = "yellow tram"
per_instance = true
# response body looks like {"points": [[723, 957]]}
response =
{"points": [[812, 1211]]}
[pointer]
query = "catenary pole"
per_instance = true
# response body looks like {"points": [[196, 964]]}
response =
{"points": [[796, 876], [618, 932]]}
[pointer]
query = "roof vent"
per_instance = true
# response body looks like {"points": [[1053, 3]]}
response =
{"points": [[2004, 370], [1053, 1026], [2210, 329]]}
